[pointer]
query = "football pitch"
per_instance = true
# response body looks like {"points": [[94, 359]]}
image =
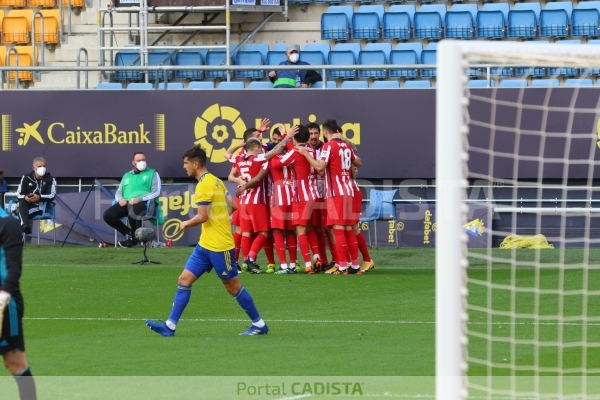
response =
{"points": [[85, 311]]}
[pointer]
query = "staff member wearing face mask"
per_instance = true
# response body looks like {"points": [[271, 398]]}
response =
{"points": [[293, 78], [36, 187], [137, 187]]}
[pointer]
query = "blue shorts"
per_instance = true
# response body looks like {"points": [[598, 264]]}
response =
{"points": [[203, 260]]}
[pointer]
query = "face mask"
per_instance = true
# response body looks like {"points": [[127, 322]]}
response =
{"points": [[141, 165], [41, 171], [294, 57]]}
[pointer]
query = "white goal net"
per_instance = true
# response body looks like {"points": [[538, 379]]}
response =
{"points": [[518, 322]]}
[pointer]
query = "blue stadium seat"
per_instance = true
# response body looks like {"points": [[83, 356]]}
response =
{"points": [[260, 85], [566, 72], [127, 58], [262, 48], [279, 47], [231, 85], [158, 58], [201, 85], [367, 22], [355, 85], [109, 86], [216, 57], [502, 72], [555, 19], [374, 54], [385, 85], [140, 86], [429, 21], [460, 21], [535, 72], [512, 83], [189, 58], [417, 47], [585, 20], [313, 57], [324, 48], [397, 22], [336, 23], [249, 58], [344, 54], [480, 83], [319, 85], [545, 83], [171, 85], [417, 84], [591, 71], [404, 57], [428, 57], [579, 82], [276, 57], [523, 20], [492, 21]]}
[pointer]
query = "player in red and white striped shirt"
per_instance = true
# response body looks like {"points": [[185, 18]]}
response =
{"points": [[335, 161]]}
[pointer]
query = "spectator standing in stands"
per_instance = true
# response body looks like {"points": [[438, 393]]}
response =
{"points": [[293, 78], [137, 187], [36, 188]]}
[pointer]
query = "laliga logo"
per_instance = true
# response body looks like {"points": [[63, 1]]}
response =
{"points": [[212, 130]]}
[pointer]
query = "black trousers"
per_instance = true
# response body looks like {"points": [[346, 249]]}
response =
{"points": [[29, 210], [113, 216]]}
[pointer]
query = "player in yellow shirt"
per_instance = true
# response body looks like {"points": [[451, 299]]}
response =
{"points": [[214, 249]]}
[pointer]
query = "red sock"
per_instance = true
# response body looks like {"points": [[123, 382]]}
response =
{"points": [[246, 244], [268, 246], [362, 246], [257, 244], [290, 241], [237, 239], [280, 247], [304, 247], [341, 247], [352, 246], [313, 241], [322, 247], [331, 247]]}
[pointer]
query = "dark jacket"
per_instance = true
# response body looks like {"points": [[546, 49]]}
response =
{"points": [[309, 76], [45, 187], [11, 252]]}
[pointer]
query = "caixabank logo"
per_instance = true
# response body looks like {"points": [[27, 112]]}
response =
{"points": [[220, 127], [71, 133]]}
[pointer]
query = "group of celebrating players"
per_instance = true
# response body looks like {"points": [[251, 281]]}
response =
{"points": [[298, 191]]}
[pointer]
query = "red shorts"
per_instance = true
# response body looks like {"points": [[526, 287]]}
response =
{"points": [[317, 216], [339, 210], [281, 218], [254, 217], [302, 212], [356, 207]]}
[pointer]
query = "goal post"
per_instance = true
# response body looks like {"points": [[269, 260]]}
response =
{"points": [[534, 161]]}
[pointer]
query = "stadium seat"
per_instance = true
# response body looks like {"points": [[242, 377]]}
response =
{"points": [[74, 3], [523, 20], [260, 85], [262, 48], [158, 57], [374, 54], [336, 23], [127, 58], [512, 83], [51, 28], [319, 85], [482, 83], [3, 50], [404, 57], [231, 85], [585, 20], [109, 86], [252, 57], [545, 83], [344, 54], [460, 21], [397, 22], [40, 3], [25, 60], [429, 21], [492, 20], [201, 85], [417, 84], [171, 85], [417, 47], [502, 72], [355, 85], [565, 72], [193, 58], [555, 19], [216, 57], [367, 22], [579, 82], [428, 57], [279, 47], [276, 57], [385, 85], [324, 48], [313, 57], [140, 86], [591, 71], [16, 26]]}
